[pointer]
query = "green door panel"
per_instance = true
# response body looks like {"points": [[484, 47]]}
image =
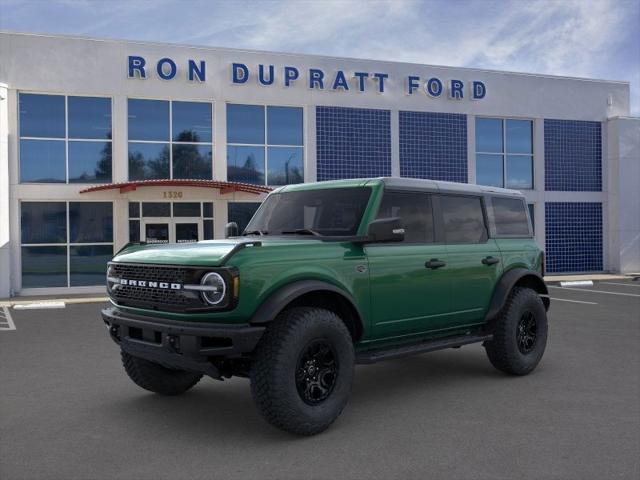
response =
{"points": [[407, 297]]}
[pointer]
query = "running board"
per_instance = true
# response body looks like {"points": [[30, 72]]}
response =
{"points": [[373, 356]]}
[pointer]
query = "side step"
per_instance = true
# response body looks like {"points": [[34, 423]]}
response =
{"points": [[377, 355]]}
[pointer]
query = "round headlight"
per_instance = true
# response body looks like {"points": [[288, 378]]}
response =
{"points": [[214, 288]]}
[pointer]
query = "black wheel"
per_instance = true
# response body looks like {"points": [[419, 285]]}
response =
{"points": [[519, 333], [302, 370], [156, 378]]}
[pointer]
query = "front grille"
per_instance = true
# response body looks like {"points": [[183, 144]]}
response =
{"points": [[162, 299]]}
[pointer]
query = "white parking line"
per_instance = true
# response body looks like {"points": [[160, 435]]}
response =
{"points": [[596, 291], [6, 322], [623, 284], [573, 301]]}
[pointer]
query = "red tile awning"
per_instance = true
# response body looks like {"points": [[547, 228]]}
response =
{"points": [[224, 187]]}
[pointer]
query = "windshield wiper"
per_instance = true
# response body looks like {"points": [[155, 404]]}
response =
{"points": [[303, 231], [254, 232]]}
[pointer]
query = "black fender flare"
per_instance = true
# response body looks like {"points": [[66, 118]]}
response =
{"points": [[506, 283], [282, 297]]}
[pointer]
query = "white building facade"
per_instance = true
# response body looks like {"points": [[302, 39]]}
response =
{"points": [[105, 142]]}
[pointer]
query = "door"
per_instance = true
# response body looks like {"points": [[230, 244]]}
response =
{"points": [[187, 230], [474, 260], [410, 290], [156, 230], [171, 230]]}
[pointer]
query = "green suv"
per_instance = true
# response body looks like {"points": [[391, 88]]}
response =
{"points": [[327, 275]]}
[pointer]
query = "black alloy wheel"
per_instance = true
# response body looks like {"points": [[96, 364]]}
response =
{"points": [[527, 332], [317, 372]]}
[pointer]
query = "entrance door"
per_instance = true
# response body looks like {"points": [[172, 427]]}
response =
{"points": [[171, 230], [187, 230], [156, 230]]}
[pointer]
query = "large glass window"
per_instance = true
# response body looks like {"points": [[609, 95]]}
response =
{"points": [[415, 213], [463, 219], [504, 153], [65, 243], [265, 144], [170, 140], [65, 139]]}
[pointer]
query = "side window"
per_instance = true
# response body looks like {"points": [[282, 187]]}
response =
{"points": [[463, 219], [510, 217], [415, 212]]}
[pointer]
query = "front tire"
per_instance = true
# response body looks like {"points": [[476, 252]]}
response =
{"points": [[156, 378], [302, 371], [519, 333]]}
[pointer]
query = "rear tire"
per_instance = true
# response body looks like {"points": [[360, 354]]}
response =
{"points": [[519, 333], [302, 371], [156, 378]]}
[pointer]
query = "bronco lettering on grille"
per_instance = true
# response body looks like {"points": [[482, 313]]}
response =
{"points": [[149, 284]]}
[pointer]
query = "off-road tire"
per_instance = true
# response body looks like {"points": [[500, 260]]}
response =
{"points": [[156, 378], [277, 361], [503, 350]]}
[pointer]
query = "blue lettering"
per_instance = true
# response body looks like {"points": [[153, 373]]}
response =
{"points": [[412, 84], [237, 76], [433, 87], [136, 64], [316, 77], [290, 74], [196, 72], [455, 90], [261, 79], [340, 81], [479, 90], [362, 77], [380, 77], [161, 71]]}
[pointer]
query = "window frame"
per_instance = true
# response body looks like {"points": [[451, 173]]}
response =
{"points": [[266, 145], [66, 139], [67, 244], [170, 142], [504, 154]]}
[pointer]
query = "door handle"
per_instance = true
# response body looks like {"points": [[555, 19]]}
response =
{"points": [[434, 263], [490, 260]]}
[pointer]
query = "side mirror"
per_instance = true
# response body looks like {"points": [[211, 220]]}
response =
{"points": [[385, 230], [231, 230]]}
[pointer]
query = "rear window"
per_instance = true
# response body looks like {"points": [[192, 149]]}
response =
{"points": [[463, 219], [510, 217]]}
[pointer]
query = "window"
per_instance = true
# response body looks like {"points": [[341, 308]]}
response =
{"points": [[65, 243], [504, 153], [265, 144], [241, 213], [170, 139], [463, 219], [65, 139], [414, 210], [532, 216], [509, 217], [164, 209]]}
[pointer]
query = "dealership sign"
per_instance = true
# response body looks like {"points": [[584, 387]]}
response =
{"points": [[313, 78]]}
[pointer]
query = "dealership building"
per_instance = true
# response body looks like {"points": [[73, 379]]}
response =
{"points": [[104, 142]]}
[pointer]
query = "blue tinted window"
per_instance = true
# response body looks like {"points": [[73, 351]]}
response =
{"points": [[42, 161], [89, 162], [192, 161], [89, 117], [148, 120], [41, 115], [241, 213], [44, 267], [88, 264], [191, 122], [245, 164], [245, 124], [90, 222], [519, 136], [285, 165], [489, 170], [519, 171], [284, 126], [43, 222], [489, 135], [148, 161]]}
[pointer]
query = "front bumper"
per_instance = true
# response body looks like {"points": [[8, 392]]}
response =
{"points": [[180, 345]]}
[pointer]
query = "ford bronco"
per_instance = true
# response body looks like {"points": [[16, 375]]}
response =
{"points": [[328, 275]]}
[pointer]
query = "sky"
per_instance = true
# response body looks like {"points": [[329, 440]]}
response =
{"points": [[579, 38]]}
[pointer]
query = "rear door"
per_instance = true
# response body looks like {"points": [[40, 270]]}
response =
{"points": [[474, 260], [407, 296]]}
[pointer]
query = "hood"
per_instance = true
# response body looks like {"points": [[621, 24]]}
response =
{"points": [[210, 253]]}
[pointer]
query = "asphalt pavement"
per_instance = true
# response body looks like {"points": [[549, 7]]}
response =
{"points": [[68, 411]]}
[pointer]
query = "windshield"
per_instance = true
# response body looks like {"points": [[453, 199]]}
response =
{"points": [[326, 212]]}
